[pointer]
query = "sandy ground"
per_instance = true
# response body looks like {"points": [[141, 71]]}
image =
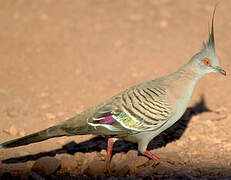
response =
{"points": [[58, 58]]}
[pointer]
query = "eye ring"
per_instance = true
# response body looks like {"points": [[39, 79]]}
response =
{"points": [[207, 62]]}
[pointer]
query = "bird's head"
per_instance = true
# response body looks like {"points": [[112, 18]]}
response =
{"points": [[206, 61]]}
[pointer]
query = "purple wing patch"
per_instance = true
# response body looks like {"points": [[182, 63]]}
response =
{"points": [[106, 120]]}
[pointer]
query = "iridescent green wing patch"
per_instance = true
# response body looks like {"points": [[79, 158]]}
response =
{"points": [[126, 121]]}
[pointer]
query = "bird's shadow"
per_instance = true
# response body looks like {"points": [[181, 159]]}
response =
{"points": [[98, 143]]}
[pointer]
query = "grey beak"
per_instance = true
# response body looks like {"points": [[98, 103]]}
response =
{"points": [[220, 70]]}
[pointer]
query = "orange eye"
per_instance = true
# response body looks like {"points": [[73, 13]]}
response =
{"points": [[207, 62]]}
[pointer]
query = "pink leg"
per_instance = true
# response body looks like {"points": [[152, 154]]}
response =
{"points": [[110, 144], [156, 158]]}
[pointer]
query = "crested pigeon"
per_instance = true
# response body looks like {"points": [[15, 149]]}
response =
{"points": [[139, 113]]}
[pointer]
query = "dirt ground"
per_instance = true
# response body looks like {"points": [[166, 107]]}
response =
{"points": [[58, 58]]}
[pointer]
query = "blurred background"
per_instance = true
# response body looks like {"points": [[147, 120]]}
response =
{"points": [[58, 58]]}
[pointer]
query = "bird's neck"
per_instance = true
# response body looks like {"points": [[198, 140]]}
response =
{"points": [[187, 73], [181, 85]]}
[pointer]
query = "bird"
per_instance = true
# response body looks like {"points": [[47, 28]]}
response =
{"points": [[141, 112]]}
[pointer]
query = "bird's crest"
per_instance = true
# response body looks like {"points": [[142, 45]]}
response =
{"points": [[211, 42]]}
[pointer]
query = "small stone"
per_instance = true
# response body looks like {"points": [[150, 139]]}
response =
{"points": [[137, 74], [123, 170], [193, 138], [50, 116], [163, 24], [13, 130], [46, 165], [13, 111], [118, 157], [44, 94], [221, 110], [95, 167], [22, 133], [29, 164], [68, 163], [97, 26], [132, 154]]}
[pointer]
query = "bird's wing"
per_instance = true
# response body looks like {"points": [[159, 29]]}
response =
{"points": [[109, 118], [135, 110], [149, 104]]}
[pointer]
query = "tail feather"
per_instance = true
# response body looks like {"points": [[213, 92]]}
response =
{"points": [[73, 126], [51, 132]]}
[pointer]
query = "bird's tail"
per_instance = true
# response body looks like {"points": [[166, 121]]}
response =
{"points": [[77, 125], [48, 133]]}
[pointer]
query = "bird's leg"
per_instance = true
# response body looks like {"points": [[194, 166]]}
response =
{"points": [[156, 158], [110, 144]]}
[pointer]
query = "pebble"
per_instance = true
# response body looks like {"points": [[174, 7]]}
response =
{"points": [[97, 26], [118, 157], [13, 111], [13, 130], [163, 24], [22, 133], [122, 169], [50, 116], [46, 165], [95, 167], [44, 94], [68, 163]]}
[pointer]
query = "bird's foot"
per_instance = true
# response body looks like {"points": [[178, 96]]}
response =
{"points": [[155, 163], [166, 160], [155, 160]]}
